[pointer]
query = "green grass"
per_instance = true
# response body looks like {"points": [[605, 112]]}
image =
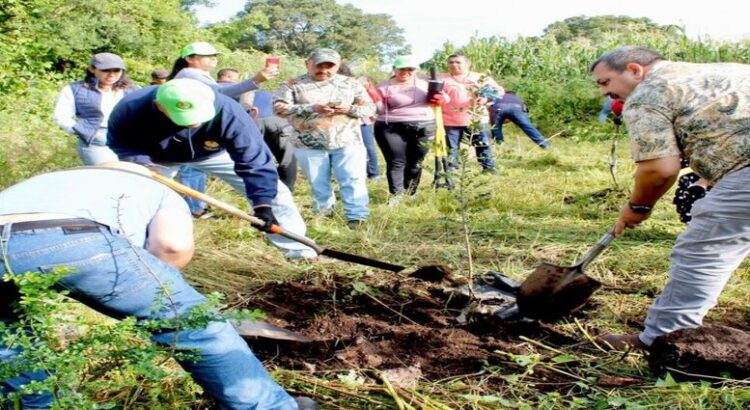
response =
{"points": [[517, 220], [544, 205]]}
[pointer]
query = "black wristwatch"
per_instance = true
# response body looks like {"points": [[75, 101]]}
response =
{"points": [[640, 209]]}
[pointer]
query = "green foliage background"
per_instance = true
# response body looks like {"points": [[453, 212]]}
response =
{"points": [[551, 72]]}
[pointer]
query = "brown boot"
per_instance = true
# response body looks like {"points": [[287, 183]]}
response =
{"points": [[621, 342]]}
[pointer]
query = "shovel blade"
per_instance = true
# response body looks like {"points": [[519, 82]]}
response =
{"points": [[553, 291], [259, 328]]}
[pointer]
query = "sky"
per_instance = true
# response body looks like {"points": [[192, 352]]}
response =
{"points": [[428, 24]]}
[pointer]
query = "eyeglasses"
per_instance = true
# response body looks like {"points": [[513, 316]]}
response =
{"points": [[112, 70]]}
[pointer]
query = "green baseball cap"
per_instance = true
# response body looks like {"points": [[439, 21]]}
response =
{"points": [[405, 62], [186, 102], [200, 48]]}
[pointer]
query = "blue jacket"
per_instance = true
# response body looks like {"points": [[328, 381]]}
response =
{"points": [[139, 132]]}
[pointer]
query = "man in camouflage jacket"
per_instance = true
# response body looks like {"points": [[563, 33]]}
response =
{"points": [[699, 112], [326, 109]]}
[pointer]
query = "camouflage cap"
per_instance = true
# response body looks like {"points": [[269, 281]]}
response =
{"points": [[324, 55]]}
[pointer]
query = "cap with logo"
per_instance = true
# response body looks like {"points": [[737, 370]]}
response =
{"points": [[107, 61], [200, 48], [324, 55], [405, 62], [186, 102]]}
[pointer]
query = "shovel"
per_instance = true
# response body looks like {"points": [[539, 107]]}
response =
{"points": [[258, 328], [552, 291], [331, 253]]}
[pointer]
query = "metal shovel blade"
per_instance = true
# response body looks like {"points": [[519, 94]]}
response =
{"points": [[552, 291], [259, 328]]}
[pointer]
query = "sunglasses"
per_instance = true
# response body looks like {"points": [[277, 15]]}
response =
{"points": [[112, 70]]}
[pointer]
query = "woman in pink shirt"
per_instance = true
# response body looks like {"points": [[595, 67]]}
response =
{"points": [[405, 126]]}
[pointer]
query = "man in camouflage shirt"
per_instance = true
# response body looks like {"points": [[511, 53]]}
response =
{"points": [[326, 108], [700, 112]]}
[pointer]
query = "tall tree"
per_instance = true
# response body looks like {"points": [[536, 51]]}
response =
{"points": [[53, 38], [595, 29], [299, 26]]}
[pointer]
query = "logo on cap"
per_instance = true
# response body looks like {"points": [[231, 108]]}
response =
{"points": [[184, 105]]}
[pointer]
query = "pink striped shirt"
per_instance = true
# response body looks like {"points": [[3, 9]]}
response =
{"points": [[461, 93]]}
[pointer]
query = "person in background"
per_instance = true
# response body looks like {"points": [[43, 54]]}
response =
{"points": [[196, 62], [613, 107], [511, 108], [82, 108], [468, 91], [327, 109], [277, 132], [126, 236], [699, 113], [405, 126], [368, 137], [159, 76], [228, 76], [185, 122]]}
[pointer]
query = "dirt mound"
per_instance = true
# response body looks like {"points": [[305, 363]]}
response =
{"points": [[708, 350], [409, 324]]}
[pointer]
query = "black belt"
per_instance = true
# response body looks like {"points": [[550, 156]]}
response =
{"points": [[69, 225]]}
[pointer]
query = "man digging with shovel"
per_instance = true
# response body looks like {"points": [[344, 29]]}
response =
{"points": [[125, 236], [699, 112], [184, 122]]}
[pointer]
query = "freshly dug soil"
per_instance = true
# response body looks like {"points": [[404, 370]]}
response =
{"points": [[403, 324], [707, 350]]}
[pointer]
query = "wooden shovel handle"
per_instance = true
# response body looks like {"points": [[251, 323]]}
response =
{"points": [[233, 210]]}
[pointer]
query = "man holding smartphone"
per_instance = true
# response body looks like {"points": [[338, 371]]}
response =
{"points": [[326, 109]]}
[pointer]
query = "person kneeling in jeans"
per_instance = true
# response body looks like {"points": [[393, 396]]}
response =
{"points": [[125, 236]]}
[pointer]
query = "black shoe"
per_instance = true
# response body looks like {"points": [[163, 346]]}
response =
{"points": [[489, 171], [306, 403], [355, 224]]}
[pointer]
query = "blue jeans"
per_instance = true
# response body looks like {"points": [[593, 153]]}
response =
{"points": [[480, 141], [196, 179], [373, 169], [515, 114], [122, 280], [96, 152], [346, 164]]}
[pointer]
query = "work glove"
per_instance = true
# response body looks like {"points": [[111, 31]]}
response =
{"points": [[265, 214], [438, 99]]}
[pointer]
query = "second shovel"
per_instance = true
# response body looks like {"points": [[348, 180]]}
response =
{"points": [[553, 291]]}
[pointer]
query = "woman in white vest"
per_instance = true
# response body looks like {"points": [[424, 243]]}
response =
{"points": [[83, 108]]}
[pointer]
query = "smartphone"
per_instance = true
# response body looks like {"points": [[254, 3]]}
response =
{"points": [[273, 61]]}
